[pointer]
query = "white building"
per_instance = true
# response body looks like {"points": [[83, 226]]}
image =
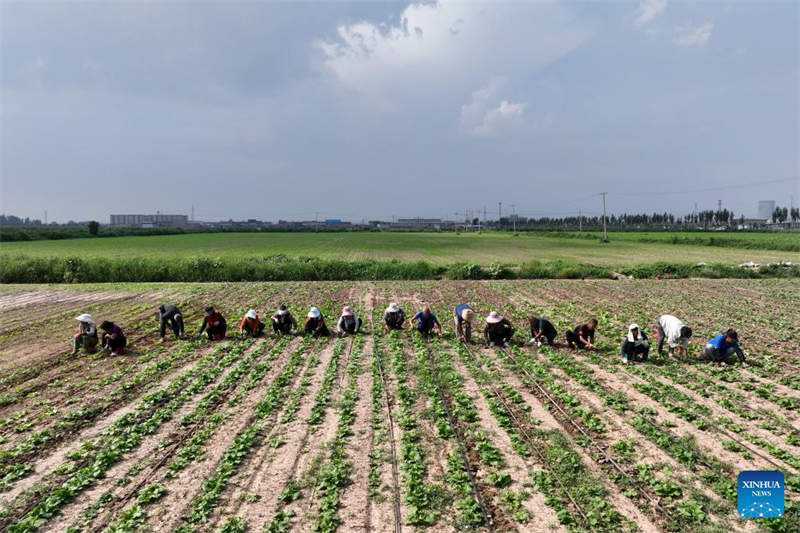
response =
{"points": [[765, 209]]}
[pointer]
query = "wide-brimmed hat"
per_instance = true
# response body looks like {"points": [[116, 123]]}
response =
{"points": [[251, 314], [282, 310], [314, 313], [209, 311], [393, 308], [467, 314], [493, 318], [346, 311], [85, 318]]}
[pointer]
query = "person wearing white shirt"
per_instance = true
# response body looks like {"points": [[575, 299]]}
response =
{"points": [[677, 334]]}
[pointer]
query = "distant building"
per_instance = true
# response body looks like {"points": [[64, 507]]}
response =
{"points": [[151, 221], [765, 209]]}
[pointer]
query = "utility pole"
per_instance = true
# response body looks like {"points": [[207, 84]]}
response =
{"points": [[580, 221], [484, 215], [45, 217], [514, 218], [192, 212], [316, 221], [605, 229], [695, 213], [499, 213]]}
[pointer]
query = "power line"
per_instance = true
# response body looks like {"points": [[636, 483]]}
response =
{"points": [[709, 189]]}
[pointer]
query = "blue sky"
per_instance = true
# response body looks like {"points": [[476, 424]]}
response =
{"points": [[363, 110]]}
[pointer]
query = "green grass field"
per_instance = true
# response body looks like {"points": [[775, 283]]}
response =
{"points": [[438, 248]]}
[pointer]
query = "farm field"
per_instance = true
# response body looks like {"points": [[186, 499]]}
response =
{"points": [[437, 248], [388, 433]]}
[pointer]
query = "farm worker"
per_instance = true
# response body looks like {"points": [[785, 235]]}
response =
{"points": [[283, 321], [582, 336], [498, 330], [214, 325], [677, 334], [393, 318], [86, 337], [426, 321], [542, 329], [635, 344], [170, 314], [349, 323], [315, 324], [251, 325], [463, 316], [113, 338], [722, 347]]}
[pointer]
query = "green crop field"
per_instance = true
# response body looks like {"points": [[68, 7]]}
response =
{"points": [[437, 248]]}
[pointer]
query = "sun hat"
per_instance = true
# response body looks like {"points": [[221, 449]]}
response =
{"points": [[282, 310], [85, 318], [467, 314], [314, 313], [493, 318], [251, 314], [393, 308], [209, 311], [346, 311], [630, 332]]}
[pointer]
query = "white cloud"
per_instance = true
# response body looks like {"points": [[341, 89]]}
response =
{"points": [[649, 10], [693, 36], [450, 45], [479, 118]]}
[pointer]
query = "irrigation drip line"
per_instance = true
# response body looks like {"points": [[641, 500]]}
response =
{"points": [[398, 519], [720, 430], [460, 444], [585, 434], [533, 446]]}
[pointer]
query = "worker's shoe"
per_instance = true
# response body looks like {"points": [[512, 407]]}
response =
{"points": [[505, 345], [745, 365], [532, 341], [491, 345]]}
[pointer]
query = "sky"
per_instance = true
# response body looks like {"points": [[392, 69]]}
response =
{"points": [[365, 110]]}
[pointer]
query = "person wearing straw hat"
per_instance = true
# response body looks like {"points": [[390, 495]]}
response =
{"points": [[542, 330], [720, 349], [214, 325], [426, 321], [86, 337], [283, 321], [393, 318], [498, 330], [349, 323], [635, 344], [251, 325], [170, 314], [114, 339], [315, 324], [463, 316]]}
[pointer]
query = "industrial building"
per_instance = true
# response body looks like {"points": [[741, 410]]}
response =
{"points": [[151, 221]]}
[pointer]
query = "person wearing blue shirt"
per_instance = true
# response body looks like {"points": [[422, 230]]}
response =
{"points": [[426, 321], [722, 347]]}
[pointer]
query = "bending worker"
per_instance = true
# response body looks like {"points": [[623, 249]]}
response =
{"points": [[349, 323], [722, 347], [170, 314], [393, 318], [214, 325], [463, 316], [283, 321], [498, 330], [635, 344], [582, 337], [113, 338], [675, 332], [315, 324], [541, 330], [86, 337], [426, 321], [251, 325]]}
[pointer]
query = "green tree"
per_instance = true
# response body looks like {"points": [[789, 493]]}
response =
{"points": [[94, 227]]}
